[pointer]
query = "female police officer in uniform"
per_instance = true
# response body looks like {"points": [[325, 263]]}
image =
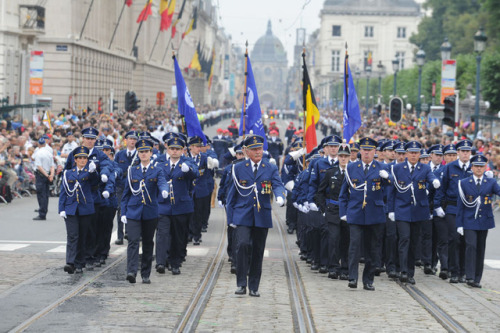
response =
{"points": [[139, 209]]}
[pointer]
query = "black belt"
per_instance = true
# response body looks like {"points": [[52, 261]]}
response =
{"points": [[94, 188], [451, 202]]}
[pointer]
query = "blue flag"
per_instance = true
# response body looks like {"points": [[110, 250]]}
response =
{"points": [[352, 117], [251, 111], [186, 106]]}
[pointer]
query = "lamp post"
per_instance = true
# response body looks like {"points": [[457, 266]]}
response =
{"points": [[479, 46], [368, 71], [380, 73], [395, 68], [420, 63], [445, 50], [358, 73]]}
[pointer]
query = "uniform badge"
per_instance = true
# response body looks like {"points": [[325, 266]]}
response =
{"points": [[243, 182], [266, 187]]}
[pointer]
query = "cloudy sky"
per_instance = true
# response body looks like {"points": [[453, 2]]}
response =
{"points": [[247, 20]]}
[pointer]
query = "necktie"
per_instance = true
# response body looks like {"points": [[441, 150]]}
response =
{"points": [[255, 166], [478, 184], [144, 169], [412, 169], [172, 167], [129, 154], [464, 167], [367, 166], [78, 172], [434, 168]]}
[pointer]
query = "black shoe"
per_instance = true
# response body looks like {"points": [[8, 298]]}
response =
{"points": [[362, 260], [368, 287], [160, 269], [97, 263], [309, 260], [196, 242], [79, 270], [443, 274], [103, 261], [125, 236], [89, 267], [344, 277], [230, 259], [204, 229], [131, 277], [470, 282], [476, 285], [290, 231], [190, 239], [323, 270], [233, 269], [418, 263], [377, 271], [314, 267], [303, 257], [254, 293], [411, 280], [454, 279], [403, 277], [428, 270], [119, 241], [461, 279], [176, 271], [39, 218], [392, 275], [333, 275], [146, 280], [37, 210], [353, 284], [241, 291], [382, 269], [70, 269]]}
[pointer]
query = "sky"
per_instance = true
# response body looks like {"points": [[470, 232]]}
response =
{"points": [[247, 20]]}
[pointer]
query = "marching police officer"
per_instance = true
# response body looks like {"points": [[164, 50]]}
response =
{"points": [[275, 146], [292, 166], [361, 204], [409, 205], [475, 217], [140, 210], [249, 197]]}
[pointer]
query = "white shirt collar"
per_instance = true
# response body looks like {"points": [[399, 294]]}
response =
{"points": [[258, 164], [147, 166], [475, 179], [461, 164], [410, 165], [130, 151], [364, 164], [90, 151], [330, 159]]}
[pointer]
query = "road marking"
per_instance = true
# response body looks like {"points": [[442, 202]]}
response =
{"points": [[266, 253], [59, 249], [12, 247], [31, 242], [197, 251], [492, 263]]}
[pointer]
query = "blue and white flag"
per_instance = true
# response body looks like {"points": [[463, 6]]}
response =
{"points": [[352, 117], [186, 106], [251, 111]]}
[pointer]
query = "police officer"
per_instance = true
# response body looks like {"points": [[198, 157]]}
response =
{"points": [[409, 205], [292, 166], [124, 158], [140, 210], [44, 175], [354, 151], [362, 207], [275, 146], [475, 217], [76, 207], [249, 197], [327, 198], [447, 197], [175, 212]]}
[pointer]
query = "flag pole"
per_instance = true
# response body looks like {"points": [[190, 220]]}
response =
{"points": [[182, 116], [86, 19], [138, 30], [304, 107], [117, 23], [154, 44], [346, 87], [245, 94], [166, 50]]}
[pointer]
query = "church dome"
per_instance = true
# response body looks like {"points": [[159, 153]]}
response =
{"points": [[268, 48]]}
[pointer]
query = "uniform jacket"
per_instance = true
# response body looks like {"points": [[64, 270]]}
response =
{"points": [[351, 200], [432, 191], [446, 196], [466, 217], [329, 190], [318, 171], [123, 162], [110, 186], [275, 148], [245, 208], [144, 205], [81, 200], [201, 184], [180, 200], [402, 204]]}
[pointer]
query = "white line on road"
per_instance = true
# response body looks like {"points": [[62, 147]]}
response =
{"points": [[12, 247], [492, 263], [32, 242], [59, 249]]}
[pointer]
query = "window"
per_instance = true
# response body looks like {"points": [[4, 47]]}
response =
{"points": [[336, 31], [368, 31], [335, 61], [368, 57], [401, 57], [401, 32]]}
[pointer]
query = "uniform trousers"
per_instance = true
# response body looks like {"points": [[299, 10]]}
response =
{"points": [[208, 209], [475, 247], [426, 243], [201, 206], [443, 229], [42, 193], [137, 229], [291, 212], [163, 239], [338, 242], [91, 242], [408, 233], [179, 229], [316, 232], [104, 231], [368, 235], [76, 231], [456, 248], [391, 246], [250, 241], [120, 225], [301, 232]]}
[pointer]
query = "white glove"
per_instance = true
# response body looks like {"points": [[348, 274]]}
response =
{"points": [[436, 183], [306, 205], [272, 161], [232, 226], [460, 230], [280, 201], [305, 209], [124, 219], [391, 216], [63, 214], [210, 163], [313, 207], [489, 174], [439, 211], [164, 194], [220, 204], [215, 162], [92, 166], [104, 178], [184, 167], [154, 157], [296, 205], [384, 174], [296, 154], [231, 151], [344, 218], [289, 185], [105, 194]]}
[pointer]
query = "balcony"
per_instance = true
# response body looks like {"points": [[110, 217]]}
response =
{"points": [[32, 19]]}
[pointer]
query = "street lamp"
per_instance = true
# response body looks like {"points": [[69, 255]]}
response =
{"points": [[380, 73], [395, 68], [358, 73], [479, 46], [420, 63], [446, 50], [368, 71]]}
